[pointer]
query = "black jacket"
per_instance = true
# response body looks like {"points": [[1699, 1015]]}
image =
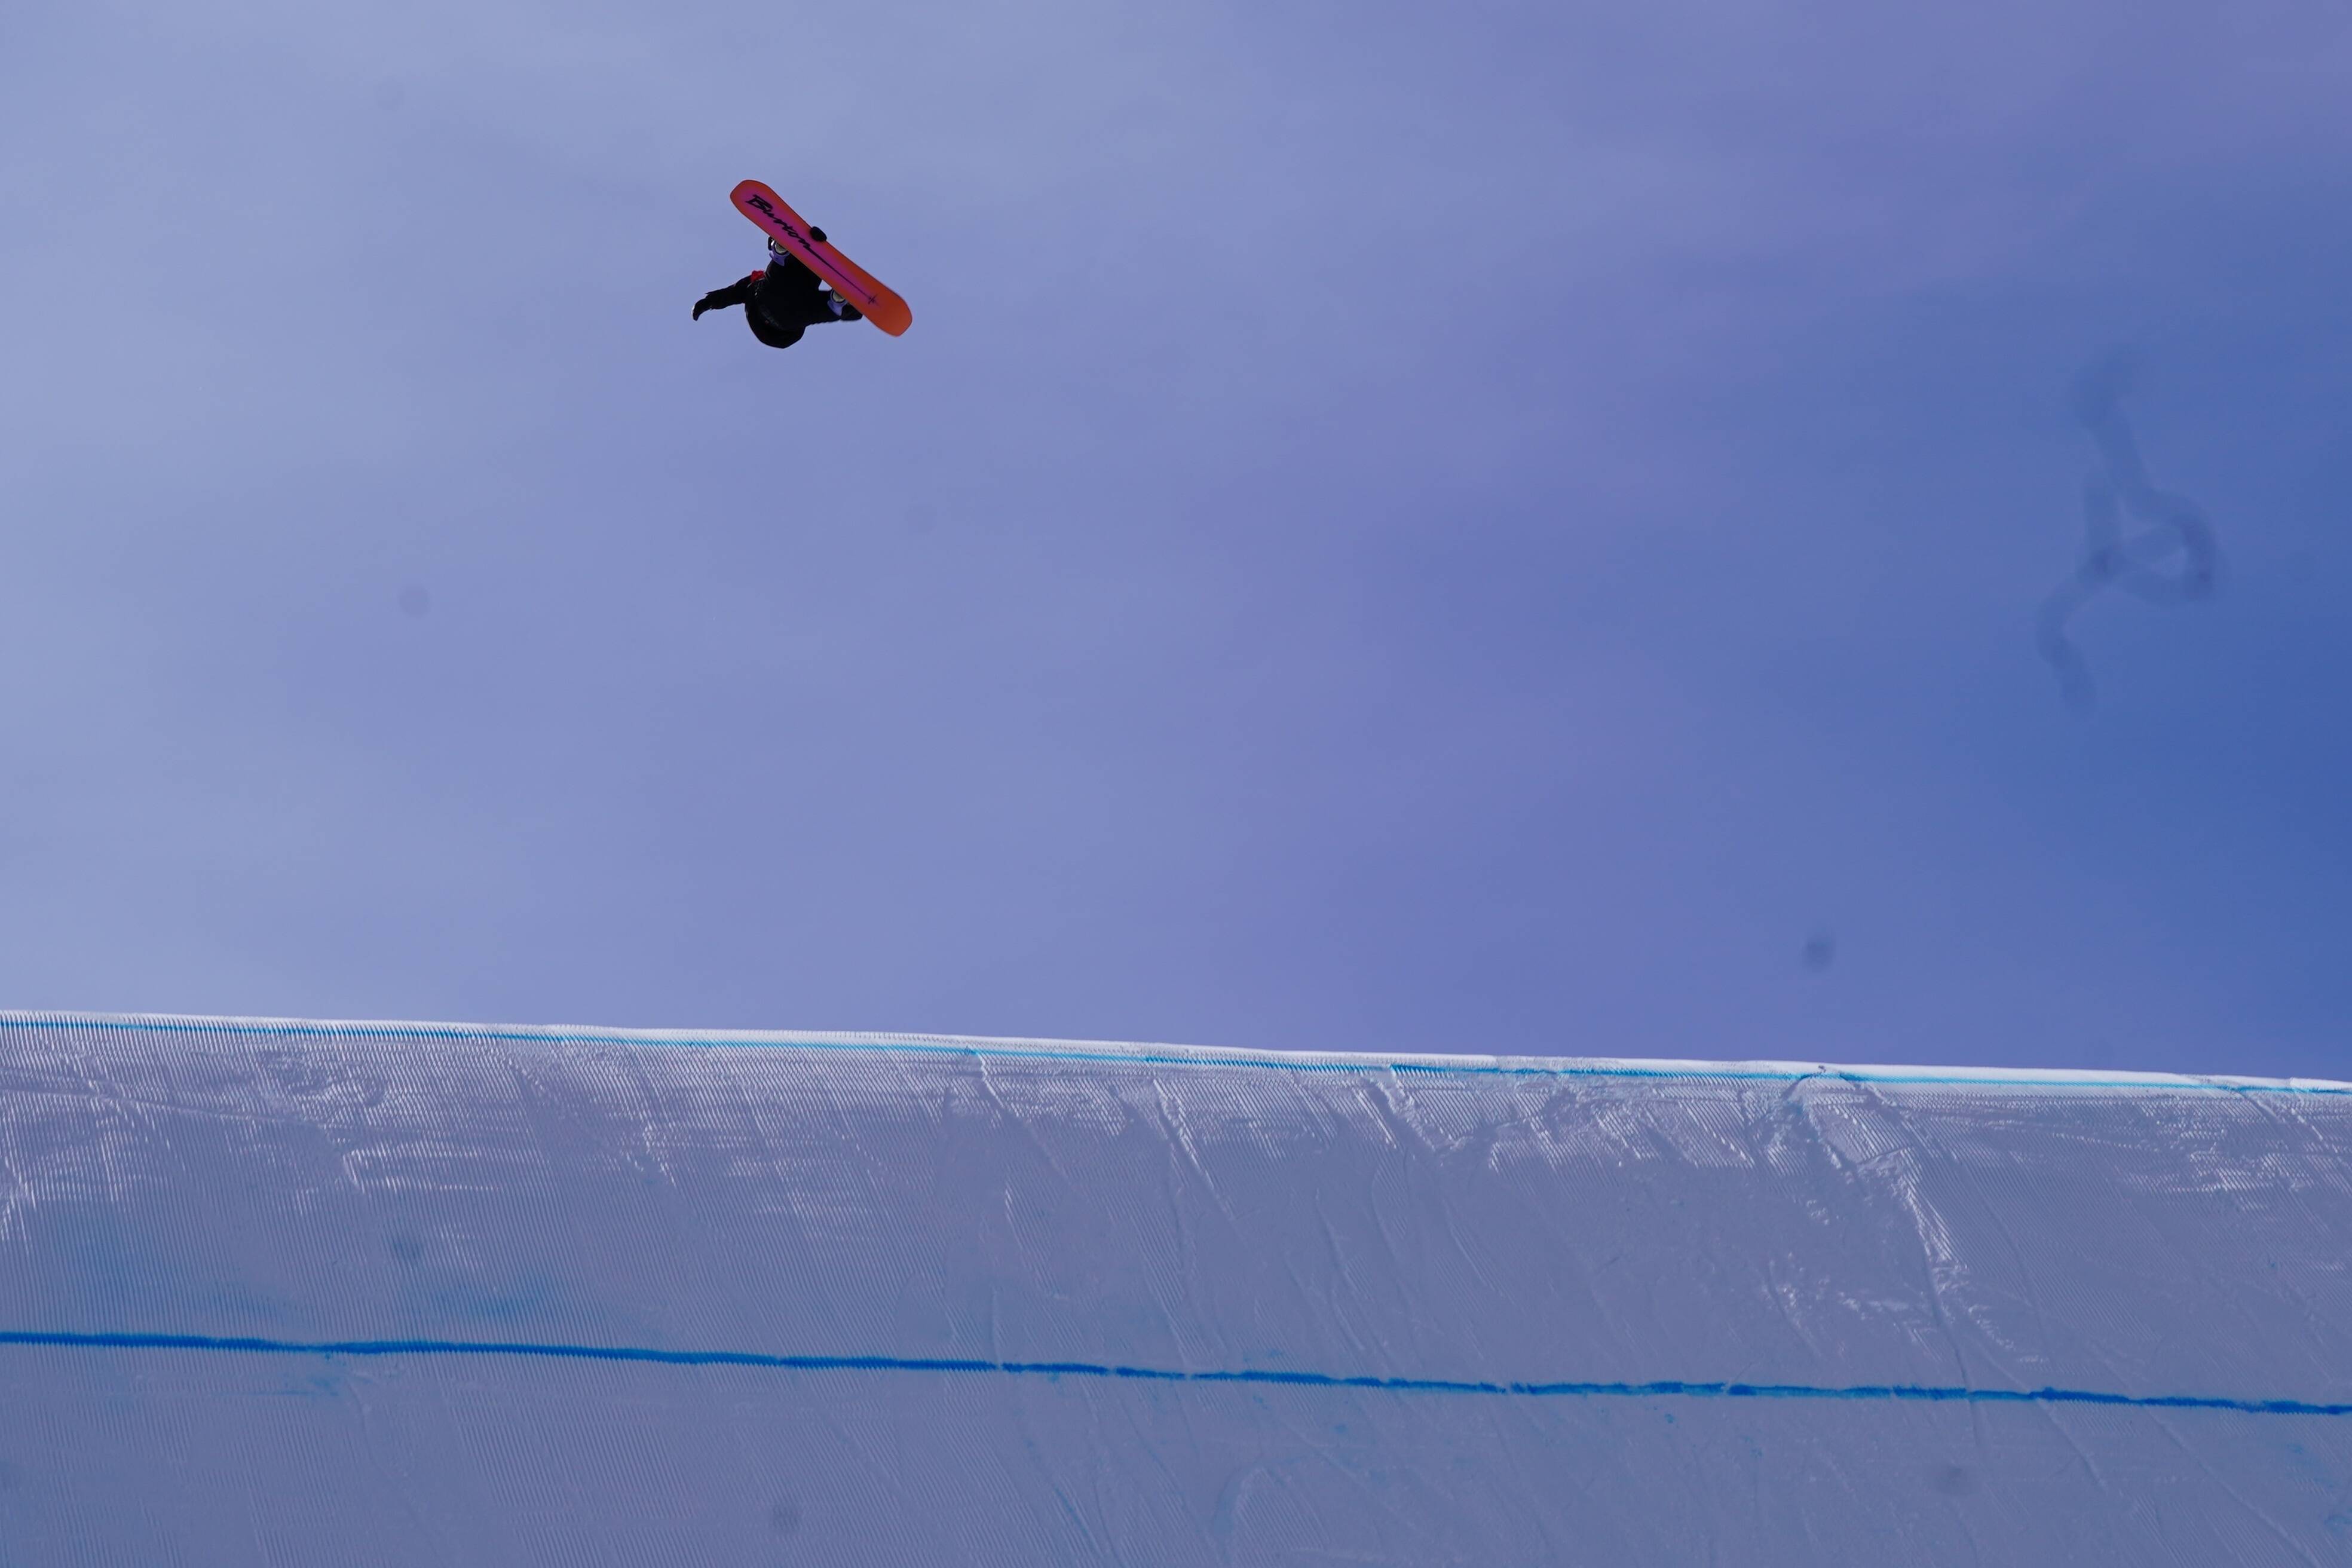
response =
{"points": [[779, 303]]}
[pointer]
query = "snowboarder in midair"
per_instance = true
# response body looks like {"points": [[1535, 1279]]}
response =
{"points": [[782, 300]]}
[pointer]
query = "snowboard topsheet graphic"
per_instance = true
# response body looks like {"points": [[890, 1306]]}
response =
{"points": [[879, 303]]}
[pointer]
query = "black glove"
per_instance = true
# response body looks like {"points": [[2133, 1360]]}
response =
{"points": [[701, 306], [816, 234]]}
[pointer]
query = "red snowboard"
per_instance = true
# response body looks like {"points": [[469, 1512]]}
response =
{"points": [[880, 305]]}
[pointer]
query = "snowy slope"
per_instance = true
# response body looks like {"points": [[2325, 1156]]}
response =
{"points": [[420, 1294]]}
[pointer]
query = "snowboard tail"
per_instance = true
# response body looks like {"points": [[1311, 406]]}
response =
{"points": [[879, 303]]}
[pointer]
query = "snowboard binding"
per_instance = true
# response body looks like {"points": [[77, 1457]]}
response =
{"points": [[776, 246]]}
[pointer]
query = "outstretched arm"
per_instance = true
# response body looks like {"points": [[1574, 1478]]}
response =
{"points": [[735, 293]]}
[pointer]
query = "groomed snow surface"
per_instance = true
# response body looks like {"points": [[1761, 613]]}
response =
{"points": [[356, 1294]]}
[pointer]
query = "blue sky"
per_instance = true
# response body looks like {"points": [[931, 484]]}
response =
{"points": [[1484, 527]]}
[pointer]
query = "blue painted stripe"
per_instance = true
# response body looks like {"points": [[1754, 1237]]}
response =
{"points": [[994, 1050], [1664, 1389]]}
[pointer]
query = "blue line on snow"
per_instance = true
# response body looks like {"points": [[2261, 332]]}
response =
{"points": [[986, 1051], [1669, 1389]]}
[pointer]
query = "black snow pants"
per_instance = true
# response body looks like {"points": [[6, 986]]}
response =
{"points": [[787, 300]]}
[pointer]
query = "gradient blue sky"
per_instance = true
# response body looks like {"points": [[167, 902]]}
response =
{"points": [[1468, 527]]}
